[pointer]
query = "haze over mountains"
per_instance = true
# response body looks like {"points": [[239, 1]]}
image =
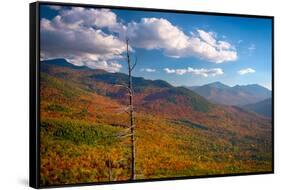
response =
{"points": [[238, 95]]}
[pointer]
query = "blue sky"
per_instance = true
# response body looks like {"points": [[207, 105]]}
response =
{"points": [[183, 49]]}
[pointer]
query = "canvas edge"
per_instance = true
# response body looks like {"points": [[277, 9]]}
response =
{"points": [[34, 166], [34, 149]]}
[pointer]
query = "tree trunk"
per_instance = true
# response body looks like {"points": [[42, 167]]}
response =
{"points": [[132, 122]]}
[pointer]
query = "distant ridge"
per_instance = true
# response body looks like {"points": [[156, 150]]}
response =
{"points": [[238, 95], [263, 107], [63, 63]]}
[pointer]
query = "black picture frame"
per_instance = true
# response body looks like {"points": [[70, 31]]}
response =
{"points": [[34, 93]]}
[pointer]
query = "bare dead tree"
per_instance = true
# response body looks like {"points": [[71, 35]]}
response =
{"points": [[131, 112], [130, 131]]}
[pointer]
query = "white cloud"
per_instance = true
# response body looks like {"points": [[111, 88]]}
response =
{"points": [[112, 67], [202, 72], [155, 33], [71, 36], [246, 71], [167, 70], [208, 37], [95, 37], [149, 70], [100, 18], [223, 45]]}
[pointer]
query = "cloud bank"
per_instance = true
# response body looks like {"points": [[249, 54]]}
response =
{"points": [[78, 42], [155, 33], [96, 38], [202, 72]]}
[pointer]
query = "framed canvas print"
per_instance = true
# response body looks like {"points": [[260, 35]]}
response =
{"points": [[120, 94]]}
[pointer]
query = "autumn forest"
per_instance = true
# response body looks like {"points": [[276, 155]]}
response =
{"points": [[178, 132]]}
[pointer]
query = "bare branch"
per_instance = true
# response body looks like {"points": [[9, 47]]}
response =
{"points": [[136, 59], [127, 135], [124, 132], [124, 86], [123, 110], [123, 135]]}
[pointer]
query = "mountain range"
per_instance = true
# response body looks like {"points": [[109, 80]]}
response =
{"points": [[152, 92], [238, 95]]}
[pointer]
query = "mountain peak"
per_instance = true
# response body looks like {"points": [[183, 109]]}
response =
{"points": [[59, 61], [217, 84], [62, 63]]}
